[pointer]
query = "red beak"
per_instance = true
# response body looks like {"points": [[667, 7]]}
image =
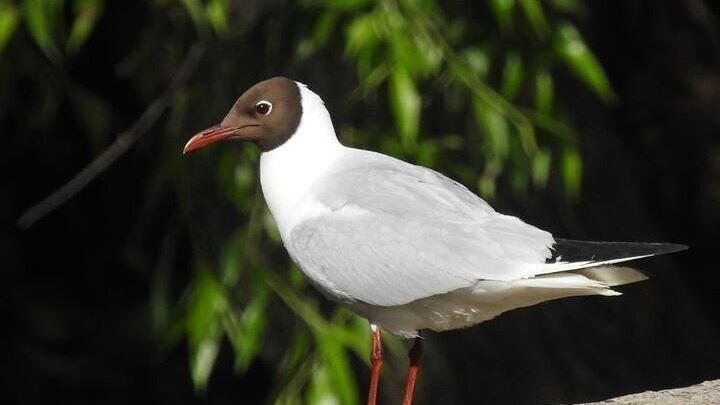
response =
{"points": [[208, 136]]}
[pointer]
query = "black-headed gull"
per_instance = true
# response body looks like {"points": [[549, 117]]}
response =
{"points": [[400, 244]]}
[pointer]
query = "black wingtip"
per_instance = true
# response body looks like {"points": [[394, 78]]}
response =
{"points": [[567, 250]]}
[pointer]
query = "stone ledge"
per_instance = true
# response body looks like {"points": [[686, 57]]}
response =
{"points": [[707, 393]]}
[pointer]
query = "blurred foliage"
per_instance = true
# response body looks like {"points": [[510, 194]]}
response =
{"points": [[488, 73]]}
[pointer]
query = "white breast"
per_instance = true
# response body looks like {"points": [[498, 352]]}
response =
{"points": [[288, 171]]}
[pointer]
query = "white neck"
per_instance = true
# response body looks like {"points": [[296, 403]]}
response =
{"points": [[288, 171]]}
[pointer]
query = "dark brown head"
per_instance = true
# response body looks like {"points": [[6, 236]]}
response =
{"points": [[268, 114]]}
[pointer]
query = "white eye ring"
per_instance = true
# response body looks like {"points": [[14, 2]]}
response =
{"points": [[263, 107]]}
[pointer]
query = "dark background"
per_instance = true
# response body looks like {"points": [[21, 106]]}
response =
{"points": [[76, 326]]}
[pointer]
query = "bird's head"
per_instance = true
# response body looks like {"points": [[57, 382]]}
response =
{"points": [[267, 114]]}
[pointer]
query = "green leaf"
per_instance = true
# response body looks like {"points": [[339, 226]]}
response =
{"points": [[270, 227], [360, 35], [571, 48], [321, 391], [44, 19], [9, 19], [544, 92], [247, 341], [217, 12], [512, 77], [572, 171], [503, 10], [207, 300], [541, 168], [244, 178], [339, 372], [87, 13], [488, 180], [478, 60], [202, 359], [427, 58], [536, 16], [405, 105], [361, 41], [355, 334], [405, 52], [494, 128], [231, 258]]}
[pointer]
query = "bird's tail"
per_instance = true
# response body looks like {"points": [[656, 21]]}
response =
{"points": [[612, 276], [574, 255]]}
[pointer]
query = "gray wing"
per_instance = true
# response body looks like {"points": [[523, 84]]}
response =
{"points": [[394, 233]]}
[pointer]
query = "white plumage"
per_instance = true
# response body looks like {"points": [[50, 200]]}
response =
{"points": [[404, 245]]}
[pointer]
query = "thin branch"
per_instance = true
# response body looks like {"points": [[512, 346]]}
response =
{"points": [[121, 145]]}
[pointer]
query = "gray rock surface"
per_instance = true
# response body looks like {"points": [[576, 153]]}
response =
{"points": [[706, 393]]}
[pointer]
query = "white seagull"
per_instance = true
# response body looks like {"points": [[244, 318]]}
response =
{"points": [[402, 245]]}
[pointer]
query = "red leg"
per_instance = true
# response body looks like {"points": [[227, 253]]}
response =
{"points": [[414, 355], [376, 359]]}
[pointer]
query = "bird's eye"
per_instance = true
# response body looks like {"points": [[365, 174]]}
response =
{"points": [[263, 107]]}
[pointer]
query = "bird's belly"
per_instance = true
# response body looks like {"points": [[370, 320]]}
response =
{"points": [[438, 313], [465, 307]]}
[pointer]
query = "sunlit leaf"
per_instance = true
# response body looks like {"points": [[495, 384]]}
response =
{"points": [[512, 77], [405, 104], [339, 372], [405, 53], [361, 35], [9, 19], [87, 13], [202, 359], [44, 20], [571, 167], [217, 12], [321, 391], [361, 41], [581, 61]]}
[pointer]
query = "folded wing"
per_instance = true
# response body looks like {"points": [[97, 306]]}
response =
{"points": [[394, 233]]}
